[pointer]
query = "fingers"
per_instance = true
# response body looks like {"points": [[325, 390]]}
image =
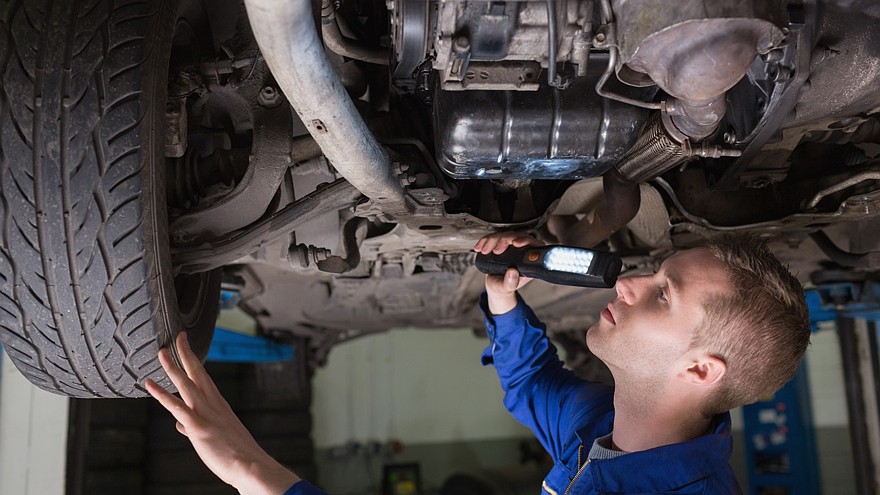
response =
{"points": [[191, 364], [196, 372], [181, 429], [527, 241], [188, 390], [174, 405], [495, 243], [498, 242]]}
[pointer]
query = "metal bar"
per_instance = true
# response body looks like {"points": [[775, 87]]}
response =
{"points": [[286, 34], [841, 257], [874, 388], [852, 181], [79, 417], [552, 77], [855, 406], [607, 19], [226, 249], [339, 44]]}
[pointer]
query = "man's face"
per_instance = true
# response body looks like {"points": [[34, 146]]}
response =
{"points": [[645, 331]]}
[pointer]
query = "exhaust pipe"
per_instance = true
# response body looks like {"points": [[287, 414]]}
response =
{"points": [[286, 34]]}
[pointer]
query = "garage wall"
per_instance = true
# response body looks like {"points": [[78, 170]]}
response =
{"points": [[424, 388], [33, 436], [417, 386], [829, 413]]}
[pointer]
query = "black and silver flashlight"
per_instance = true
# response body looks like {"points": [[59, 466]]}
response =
{"points": [[564, 265]]}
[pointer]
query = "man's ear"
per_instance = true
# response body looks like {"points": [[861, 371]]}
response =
{"points": [[705, 370]]}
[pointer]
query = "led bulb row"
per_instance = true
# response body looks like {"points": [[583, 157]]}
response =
{"points": [[566, 259]]}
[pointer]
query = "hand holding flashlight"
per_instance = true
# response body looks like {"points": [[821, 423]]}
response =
{"points": [[501, 289], [564, 265], [512, 260]]}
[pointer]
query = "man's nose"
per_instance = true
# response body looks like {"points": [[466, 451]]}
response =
{"points": [[628, 288], [624, 290]]}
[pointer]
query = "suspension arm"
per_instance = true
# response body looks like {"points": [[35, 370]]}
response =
{"points": [[235, 245]]}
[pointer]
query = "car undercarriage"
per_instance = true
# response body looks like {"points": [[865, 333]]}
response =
{"points": [[332, 163]]}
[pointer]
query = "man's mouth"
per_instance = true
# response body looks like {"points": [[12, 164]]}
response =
{"points": [[608, 315]]}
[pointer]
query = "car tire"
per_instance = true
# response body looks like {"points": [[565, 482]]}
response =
{"points": [[87, 294]]}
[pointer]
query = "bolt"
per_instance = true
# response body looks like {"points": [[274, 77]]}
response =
{"points": [[782, 73], [269, 97], [761, 182], [773, 56], [461, 44], [600, 38], [321, 254], [730, 137]]}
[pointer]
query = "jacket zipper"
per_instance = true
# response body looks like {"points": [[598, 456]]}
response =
{"points": [[579, 472]]}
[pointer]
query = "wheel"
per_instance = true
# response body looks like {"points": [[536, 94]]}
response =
{"points": [[87, 294]]}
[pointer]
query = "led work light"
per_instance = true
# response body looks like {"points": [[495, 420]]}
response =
{"points": [[564, 265]]}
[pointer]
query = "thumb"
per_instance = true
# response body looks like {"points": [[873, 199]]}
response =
{"points": [[511, 279]]}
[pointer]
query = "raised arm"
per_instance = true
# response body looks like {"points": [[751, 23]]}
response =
{"points": [[539, 392]]}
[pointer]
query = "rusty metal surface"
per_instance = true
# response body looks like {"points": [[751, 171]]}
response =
{"points": [[289, 42], [413, 263], [247, 202], [230, 247]]}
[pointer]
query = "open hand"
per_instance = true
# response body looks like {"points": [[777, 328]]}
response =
{"points": [[220, 439]]}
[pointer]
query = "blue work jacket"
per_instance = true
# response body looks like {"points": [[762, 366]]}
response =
{"points": [[567, 414], [304, 488]]}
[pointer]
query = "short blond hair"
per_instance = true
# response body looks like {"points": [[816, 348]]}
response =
{"points": [[760, 328]]}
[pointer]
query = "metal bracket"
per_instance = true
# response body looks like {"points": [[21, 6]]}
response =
{"points": [[270, 159], [235, 245], [796, 56]]}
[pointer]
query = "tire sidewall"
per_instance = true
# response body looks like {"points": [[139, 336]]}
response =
{"points": [[156, 234]]}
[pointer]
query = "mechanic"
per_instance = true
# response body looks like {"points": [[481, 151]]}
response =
{"points": [[715, 328], [222, 442]]}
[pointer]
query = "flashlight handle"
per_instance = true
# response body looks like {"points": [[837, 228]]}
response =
{"points": [[529, 262]]}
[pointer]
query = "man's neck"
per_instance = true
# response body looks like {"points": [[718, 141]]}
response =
{"points": [[642, 422]]}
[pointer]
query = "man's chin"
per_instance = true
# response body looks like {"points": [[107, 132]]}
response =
{"points": [[591, 338]]}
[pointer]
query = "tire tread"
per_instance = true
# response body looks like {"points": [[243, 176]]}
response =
{"points": [[73, 224]]}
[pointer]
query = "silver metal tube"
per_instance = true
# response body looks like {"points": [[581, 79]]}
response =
{"points": [[600, 85], [337, 43], [856, 179], [286, 34], [552, 78], [613, 54]]}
